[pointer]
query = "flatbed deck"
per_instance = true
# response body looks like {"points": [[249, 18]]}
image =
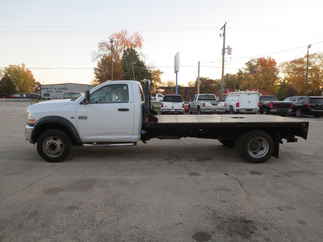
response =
{"points": [[224, 118], [223, 125]]}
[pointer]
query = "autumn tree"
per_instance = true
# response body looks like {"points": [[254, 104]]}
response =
{"points": [[233, 82], [207, 85], [21, 77], [155, 76], [111, 51], [169, 83], [133, 67], [7, 87], [260, 74], [103, 70], [294, 74]]}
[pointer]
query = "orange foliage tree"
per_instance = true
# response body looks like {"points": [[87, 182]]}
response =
{"points": [[294, 75], [260, 74], [111, 52]]}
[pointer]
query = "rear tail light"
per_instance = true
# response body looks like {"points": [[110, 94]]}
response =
{"points": [[270, 105], [237, 105], [307, 105]]}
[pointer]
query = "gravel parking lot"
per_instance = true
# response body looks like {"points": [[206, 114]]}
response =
{"points": [[177, 190]]}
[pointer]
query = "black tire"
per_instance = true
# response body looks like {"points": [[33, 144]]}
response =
{"points": [[227, 143], [54, 140], [244, 145], [298, 113]]}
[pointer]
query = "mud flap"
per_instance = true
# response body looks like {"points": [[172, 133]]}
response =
{"points": [[276, 149]]}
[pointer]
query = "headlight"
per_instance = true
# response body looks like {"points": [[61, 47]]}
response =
{"points": [[31, 121]]}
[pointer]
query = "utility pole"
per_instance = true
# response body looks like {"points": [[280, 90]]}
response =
{"points": [[111, 43], [307, 62], [198, 77], [223, 28]]}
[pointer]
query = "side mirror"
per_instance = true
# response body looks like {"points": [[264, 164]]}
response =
{"points": [[87, 97]]}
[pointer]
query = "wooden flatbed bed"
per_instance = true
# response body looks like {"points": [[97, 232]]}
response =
{"points": [[231, 119]]}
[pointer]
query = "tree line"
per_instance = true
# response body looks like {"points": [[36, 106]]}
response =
{"points": [[17, 79], [289, 78]]}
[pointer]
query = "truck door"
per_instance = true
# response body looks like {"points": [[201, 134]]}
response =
{"points": [[109, 115]]}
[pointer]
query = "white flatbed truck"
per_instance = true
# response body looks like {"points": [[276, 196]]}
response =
{"points": [[119, 112]]}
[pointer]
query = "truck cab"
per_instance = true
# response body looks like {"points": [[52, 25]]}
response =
{"points": [[112, 113]]}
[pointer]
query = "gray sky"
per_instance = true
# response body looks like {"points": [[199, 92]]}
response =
{"points": [[57, 39]]}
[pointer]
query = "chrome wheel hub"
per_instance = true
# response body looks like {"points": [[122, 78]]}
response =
{"points": [[53, 146], [258, 147]]}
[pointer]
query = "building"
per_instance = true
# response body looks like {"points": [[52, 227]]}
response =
{"points": [[63, 91]]}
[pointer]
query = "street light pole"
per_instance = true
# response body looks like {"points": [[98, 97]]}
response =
{"points": [[111, 43], [307, 62]]}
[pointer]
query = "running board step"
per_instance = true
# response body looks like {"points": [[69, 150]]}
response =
{"points": [[109, 145]]}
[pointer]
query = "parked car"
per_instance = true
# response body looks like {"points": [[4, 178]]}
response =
{"points": [[307, 105], [264, 103], [280, 107], [242, 102], [172, 104], [203, 103]]}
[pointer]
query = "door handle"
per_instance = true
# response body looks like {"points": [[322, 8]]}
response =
{"points": [[82, 117], [123, 109]]}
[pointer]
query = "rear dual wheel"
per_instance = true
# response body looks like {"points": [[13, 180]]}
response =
{"points": [[255, 146]]}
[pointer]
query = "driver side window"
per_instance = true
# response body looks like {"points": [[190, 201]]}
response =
{"points": [[115, 93]]}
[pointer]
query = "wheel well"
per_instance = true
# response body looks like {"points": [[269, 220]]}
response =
{"points": [[39, 130]]}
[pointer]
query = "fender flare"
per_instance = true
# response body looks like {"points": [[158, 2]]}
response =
{"points": [[55, 122]]}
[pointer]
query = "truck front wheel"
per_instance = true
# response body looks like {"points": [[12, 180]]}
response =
{"points": [[54, 145], [256, 146]]}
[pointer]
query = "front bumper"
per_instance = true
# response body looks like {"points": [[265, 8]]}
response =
{"points": [[28, 132]]}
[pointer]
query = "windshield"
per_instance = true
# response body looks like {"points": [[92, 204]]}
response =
{"points": [[316, 100], [175, 99], [207, 97], [268, 98]]}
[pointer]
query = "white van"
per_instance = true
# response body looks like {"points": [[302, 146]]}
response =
{"points": [[242, 102]]}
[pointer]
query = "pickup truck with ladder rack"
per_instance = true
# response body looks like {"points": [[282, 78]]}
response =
{"points": [[119, 112]]}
